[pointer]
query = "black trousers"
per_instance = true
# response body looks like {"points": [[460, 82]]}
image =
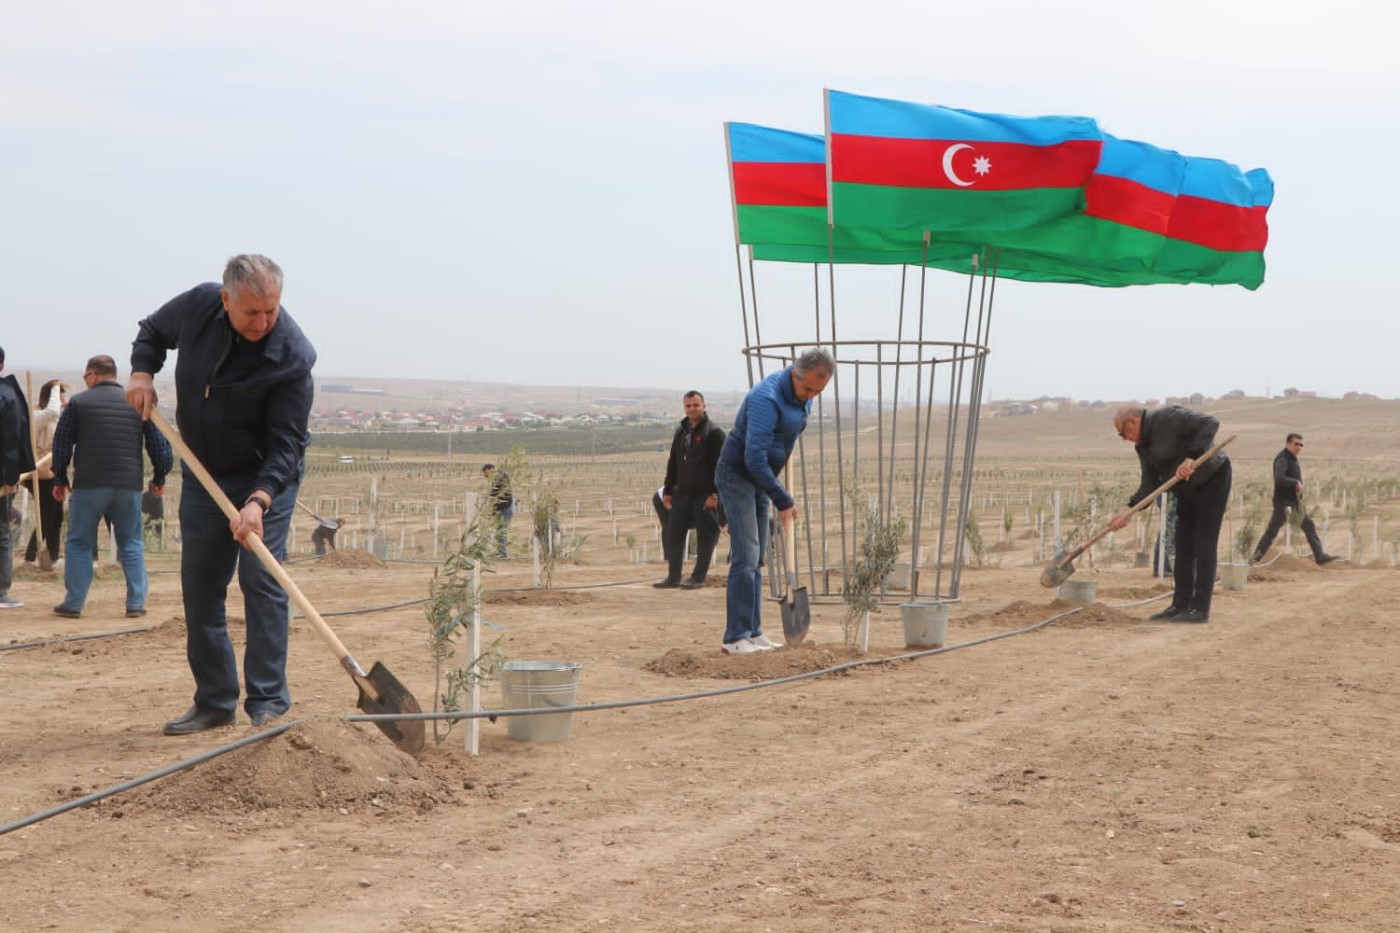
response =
{"points": [[50, 520], [689, 512], [1276, 520], [662, 515], [1199, 513]]}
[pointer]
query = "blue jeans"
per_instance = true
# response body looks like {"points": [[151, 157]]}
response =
{"points": [[747, 510], [208, 558], [502, 532], [7, 569], [85, 510]]}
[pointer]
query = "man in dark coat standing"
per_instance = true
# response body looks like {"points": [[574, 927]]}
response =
{"points": [[689, 493], [243, 399], [1168, 441], [1288, 494]]}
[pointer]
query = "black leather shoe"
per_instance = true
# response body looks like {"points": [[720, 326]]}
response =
{"points": [[667, 584], [1191, 615], [1171, 612], [198, 720], [135, 613], [67, 613], [1326, 559], [264, 717], [692, 584]]}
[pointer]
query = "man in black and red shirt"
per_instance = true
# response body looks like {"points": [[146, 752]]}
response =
{"points": [[689, 493]]}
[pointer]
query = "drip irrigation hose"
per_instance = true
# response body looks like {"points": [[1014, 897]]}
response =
{"points": [[719, 691], [68, 638], [147, 778]]}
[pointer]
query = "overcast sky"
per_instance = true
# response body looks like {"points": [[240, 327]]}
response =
{"points": [[537, 192]]}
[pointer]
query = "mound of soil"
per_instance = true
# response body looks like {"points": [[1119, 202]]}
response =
{"points": [[533, 597], [764, 665], [312, 766], [1024, 614]]}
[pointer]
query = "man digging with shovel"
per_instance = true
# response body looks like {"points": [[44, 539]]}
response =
{"points": [[1168, 442], [772, 416], [243, 398]]}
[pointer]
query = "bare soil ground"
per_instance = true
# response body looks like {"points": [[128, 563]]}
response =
{"points": [[1097, 773]]}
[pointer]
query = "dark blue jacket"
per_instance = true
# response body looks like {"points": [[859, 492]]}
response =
{"points": [[764, 433], [241, 407]]}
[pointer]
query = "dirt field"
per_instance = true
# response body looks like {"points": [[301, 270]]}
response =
{"points": [[1097, 773]]}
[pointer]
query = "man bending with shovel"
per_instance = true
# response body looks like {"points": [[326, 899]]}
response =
{"points": [[1168, 443], [243, 397], [772, 416]]}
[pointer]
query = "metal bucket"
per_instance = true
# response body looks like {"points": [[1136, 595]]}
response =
{"points": [[1079, 592], [1233, 576], [925, 624], [539, 685]]}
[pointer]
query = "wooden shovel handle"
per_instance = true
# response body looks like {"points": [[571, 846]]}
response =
{"points": [[789, 534], [1147, 500], [255, 544]]}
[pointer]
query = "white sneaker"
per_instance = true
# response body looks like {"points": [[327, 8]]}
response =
{"points": [[764, 642], [742, 646]]}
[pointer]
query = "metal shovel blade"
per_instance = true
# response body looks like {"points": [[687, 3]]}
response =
{"points": [[1058, 571], [407, 734], [797, 615]]}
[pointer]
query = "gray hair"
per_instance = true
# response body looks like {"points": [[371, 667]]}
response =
{"points": [[256, 272], [815, 359]]}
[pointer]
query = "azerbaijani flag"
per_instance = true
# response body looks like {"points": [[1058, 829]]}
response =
{"points": [[1152, 216], [777, 183], [1118, 238], [1218, 227], [906, 166]]}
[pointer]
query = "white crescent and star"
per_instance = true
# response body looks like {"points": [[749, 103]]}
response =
{"points": [[981, 165]]}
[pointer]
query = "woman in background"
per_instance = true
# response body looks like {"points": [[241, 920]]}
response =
{"points": [[53, 395]]}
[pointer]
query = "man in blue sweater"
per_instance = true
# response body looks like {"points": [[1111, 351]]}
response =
{"points": [[772, 416], [102, 437], [243, 398]]}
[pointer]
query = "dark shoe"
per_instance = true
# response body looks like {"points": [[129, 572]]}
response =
{"points": [[1326, 559], [198, 720], [1191, 615], [67, 613], [692, 584], [667, 584], [264, 717], [1167, 614], [135, 613], [1256, 559]]}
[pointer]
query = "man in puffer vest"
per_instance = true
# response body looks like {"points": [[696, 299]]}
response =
{"points": [[102, 436]]}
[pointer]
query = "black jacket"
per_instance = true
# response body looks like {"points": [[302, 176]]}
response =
{"points": [[1169, 436], [690, 469], [1287, 475], [16, 452], [242, 407]]}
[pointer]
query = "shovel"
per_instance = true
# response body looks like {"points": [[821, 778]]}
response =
{"points": [[797, 614], [323, 521], [1062, 565], [380, 691]]}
